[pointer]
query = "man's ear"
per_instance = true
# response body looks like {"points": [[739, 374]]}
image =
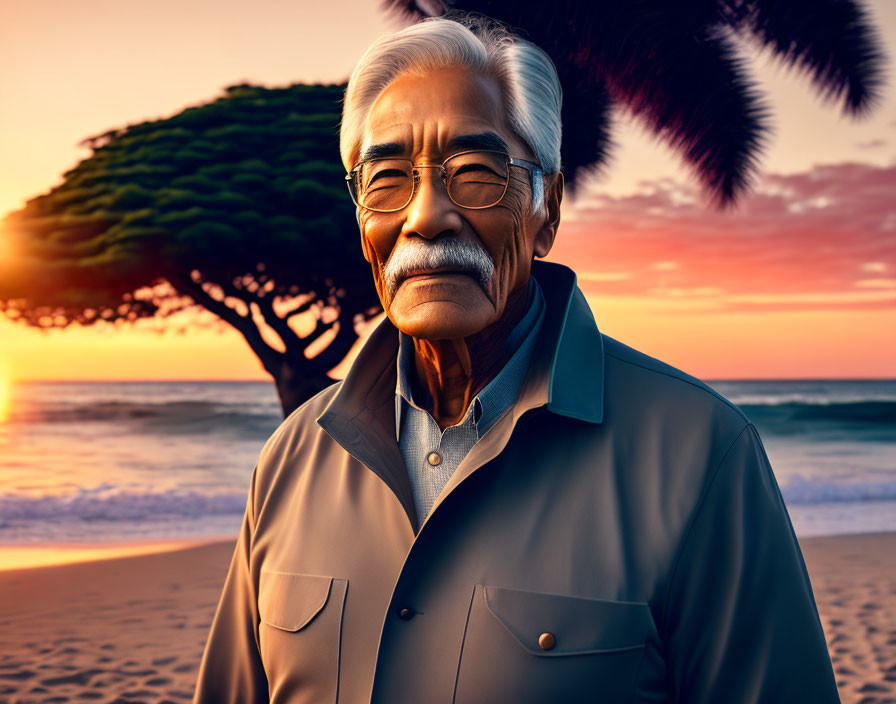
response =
{"points": [[553, 196]]}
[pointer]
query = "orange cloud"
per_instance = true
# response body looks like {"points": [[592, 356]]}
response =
{"points": [[821, 239]]}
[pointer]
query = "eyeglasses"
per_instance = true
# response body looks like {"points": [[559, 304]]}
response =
{"points": [[473, 179]]}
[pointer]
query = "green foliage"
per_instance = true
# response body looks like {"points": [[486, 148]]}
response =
{"points": [[251, 182]]}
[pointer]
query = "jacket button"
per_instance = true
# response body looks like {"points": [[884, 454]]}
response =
{"points": [[546, 641], [434, 458], [406, 614]]}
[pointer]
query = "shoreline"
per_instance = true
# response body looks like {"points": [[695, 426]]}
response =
{"points": [[16, 556], [134, 627], [27, 556]]}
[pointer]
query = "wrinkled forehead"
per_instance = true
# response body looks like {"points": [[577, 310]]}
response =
{"points": [[444, 111]]}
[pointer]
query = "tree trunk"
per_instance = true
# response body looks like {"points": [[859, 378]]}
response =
{"points": [[295, 386], [296, 377]]}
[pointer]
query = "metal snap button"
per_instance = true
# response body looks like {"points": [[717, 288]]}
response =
{"points": [[434, 458], [406, 614]]}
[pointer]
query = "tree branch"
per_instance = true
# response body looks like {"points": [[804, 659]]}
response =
{"points": [[340, 345], [291, 341], [303, 308], [271, 359], [319, 330]]}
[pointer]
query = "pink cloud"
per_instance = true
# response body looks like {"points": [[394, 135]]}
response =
{"points": [[810, 237]]}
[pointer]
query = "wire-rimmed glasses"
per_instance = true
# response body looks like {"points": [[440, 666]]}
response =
{"points": [[473, 179]]}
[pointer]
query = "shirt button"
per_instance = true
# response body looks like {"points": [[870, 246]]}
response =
{"points": [[434, 458], [406, 614], [546, 641]]}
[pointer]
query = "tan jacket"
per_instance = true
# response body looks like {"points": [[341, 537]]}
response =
{"points": [[617, 536]]}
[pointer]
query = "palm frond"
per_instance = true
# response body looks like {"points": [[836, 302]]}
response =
{"points": [[832, 41], [674, 66]]}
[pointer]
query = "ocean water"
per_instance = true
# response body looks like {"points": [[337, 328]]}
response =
{"points": [[112, 461]]}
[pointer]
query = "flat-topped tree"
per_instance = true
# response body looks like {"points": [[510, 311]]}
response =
{"points": [[237, 206]]}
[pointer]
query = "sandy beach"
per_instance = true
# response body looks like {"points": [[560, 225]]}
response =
{"points": [[132, 629], [128, 629]]}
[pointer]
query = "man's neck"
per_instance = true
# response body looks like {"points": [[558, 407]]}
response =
{"points": [[454, 371]]}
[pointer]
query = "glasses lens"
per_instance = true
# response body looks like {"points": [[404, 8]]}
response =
{"points": [[385, 184], [477, 179]]}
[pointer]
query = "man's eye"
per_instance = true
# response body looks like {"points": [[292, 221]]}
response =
{"points": [[477, 173], [482, 168], [389, 172], [386, 174]]}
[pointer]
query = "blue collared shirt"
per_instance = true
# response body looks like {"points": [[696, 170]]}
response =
{"points": [[419, 437]]}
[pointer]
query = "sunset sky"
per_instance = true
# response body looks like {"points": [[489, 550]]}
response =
{"points": [[798, 282]]}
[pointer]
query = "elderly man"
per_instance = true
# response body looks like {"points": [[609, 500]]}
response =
{"points": [[500, 504]]}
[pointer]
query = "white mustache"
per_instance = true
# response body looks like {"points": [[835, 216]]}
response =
{"points": [[408, 258]]}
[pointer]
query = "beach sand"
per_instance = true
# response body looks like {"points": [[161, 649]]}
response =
{"points": [[132, 629], [854, 581], [128, 629]]}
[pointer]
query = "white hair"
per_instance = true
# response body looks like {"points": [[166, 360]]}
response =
{"points": [[412, 255], [526, 75]]}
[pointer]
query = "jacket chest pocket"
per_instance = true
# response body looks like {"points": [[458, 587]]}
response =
{"points": [[299, 635], [522, 646]]}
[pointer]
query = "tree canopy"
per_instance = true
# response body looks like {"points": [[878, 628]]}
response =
{"points": [[238, 205]]}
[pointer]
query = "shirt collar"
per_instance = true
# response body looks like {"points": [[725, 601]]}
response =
{"points": [[502, 390]]}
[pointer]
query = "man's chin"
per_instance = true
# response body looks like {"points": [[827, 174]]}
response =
{"points": [[440, 319]]}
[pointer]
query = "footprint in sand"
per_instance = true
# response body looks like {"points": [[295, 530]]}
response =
{"points": [[82, 677], [140, 693], [873, 687], [136, 673], [20, 675]]}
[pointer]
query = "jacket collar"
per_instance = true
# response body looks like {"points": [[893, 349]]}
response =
{"points": [[566, 375], [567, 372]]}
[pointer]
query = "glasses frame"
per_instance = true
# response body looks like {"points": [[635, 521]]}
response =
{"points": [[530, 166]]}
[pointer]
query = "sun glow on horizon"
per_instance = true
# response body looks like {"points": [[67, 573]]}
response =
{"points": [[4, 394]]}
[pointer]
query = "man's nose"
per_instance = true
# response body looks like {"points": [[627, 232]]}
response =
{"points": [[431, 212]]}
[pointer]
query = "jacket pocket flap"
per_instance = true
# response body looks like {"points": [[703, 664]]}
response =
{"points": [[290, 601], [574, 625]]}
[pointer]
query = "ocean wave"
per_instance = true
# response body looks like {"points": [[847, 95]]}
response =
{"points": [[101, 504], [777, 398], [109, 504], [873, 412], [125, 410], [800, 490], [180, 417]]}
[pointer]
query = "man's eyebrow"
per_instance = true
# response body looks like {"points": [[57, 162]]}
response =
{"points": [[379, 151], [483, 140]]}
